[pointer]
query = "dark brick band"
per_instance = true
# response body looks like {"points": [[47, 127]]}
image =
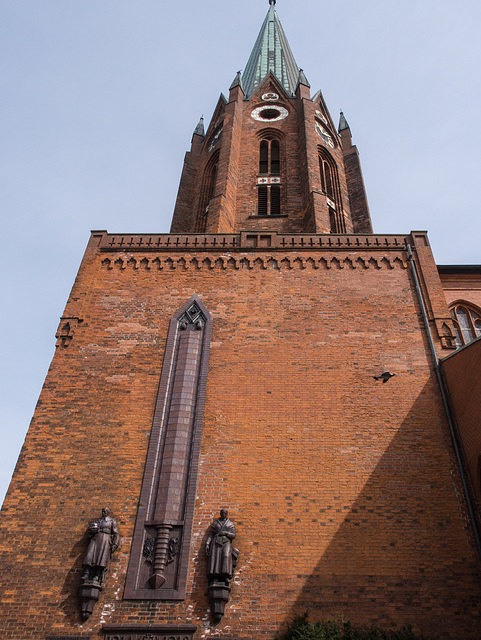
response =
{"points": [[160, 546]]}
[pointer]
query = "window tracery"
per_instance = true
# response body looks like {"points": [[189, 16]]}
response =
{"points": [[467, 323], [330, 187]]}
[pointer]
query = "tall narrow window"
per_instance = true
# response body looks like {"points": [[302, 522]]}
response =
{"points": [[269, 181], [264, 158], [275, 158], [330, 187], [332, 220], [328, 177], [467, 324], [323, 174], [207, 193]]}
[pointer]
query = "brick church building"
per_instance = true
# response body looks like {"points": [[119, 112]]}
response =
{"points": [[271, 356]]}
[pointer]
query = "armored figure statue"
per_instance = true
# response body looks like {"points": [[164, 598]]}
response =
{"points": [[222, 560], [104, 539]]}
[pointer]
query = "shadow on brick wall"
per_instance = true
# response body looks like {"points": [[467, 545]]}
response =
{"points": [[404, 551], [69, 601]]}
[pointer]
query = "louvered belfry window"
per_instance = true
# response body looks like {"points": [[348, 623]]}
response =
{"points": [[269, 190]]}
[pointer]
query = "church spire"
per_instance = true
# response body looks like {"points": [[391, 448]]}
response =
{"points": [[271, 53]]}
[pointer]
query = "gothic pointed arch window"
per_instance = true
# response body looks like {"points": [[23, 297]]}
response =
{"points": [[330, 187], [467, 323], [207, 192], [269, 181]]}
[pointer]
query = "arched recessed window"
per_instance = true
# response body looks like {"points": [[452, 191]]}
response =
{"points": [[269, 157], [207, 192], [269, 180], [467, 323], [264, 158], [275, 158], [326, 177], [330, 187]]}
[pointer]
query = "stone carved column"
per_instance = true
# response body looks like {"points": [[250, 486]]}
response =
{"points": [[158, 563]]}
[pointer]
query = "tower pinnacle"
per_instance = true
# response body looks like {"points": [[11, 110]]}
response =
{"points": [[343, 123], [272, 2], [199, 130]]}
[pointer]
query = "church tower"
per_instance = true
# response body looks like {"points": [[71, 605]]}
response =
{"points": [[271, 158], [244, 418]]}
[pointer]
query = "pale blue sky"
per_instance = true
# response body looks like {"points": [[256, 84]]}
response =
{"points": [[100, 98]]}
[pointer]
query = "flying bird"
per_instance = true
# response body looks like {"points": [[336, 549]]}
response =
{"points": [[384, 376]]}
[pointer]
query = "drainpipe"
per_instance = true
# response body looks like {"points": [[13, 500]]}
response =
{"points": [[447, 409]]}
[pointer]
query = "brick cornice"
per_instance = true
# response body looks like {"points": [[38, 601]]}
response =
{"points": [[247, 241]]}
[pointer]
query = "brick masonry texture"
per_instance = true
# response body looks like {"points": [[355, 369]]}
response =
{"points": [[462, 372], [344, 490], [462, 288]]}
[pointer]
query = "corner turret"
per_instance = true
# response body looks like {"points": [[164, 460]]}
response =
{"points": [[361, 217]]}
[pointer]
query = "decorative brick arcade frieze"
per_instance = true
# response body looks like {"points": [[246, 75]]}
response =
{"points": [[251, 250], [149, 632], [160, 546], [247, 241], [268, 260]]}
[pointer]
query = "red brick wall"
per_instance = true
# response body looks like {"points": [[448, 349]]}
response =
{"points": [[465, 287], [462, 372], [343, 489]]}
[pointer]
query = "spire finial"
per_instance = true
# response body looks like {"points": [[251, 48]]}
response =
{"points": [[272, 2]]}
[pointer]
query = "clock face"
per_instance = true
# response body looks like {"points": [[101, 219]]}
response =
{"points": [[324, 135], [215, 138]]}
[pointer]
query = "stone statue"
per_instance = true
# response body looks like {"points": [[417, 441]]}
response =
{"points": [[222, 560], [104, 539]]}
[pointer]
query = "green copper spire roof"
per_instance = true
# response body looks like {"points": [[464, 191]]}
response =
{"points": [[271, 53]]}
